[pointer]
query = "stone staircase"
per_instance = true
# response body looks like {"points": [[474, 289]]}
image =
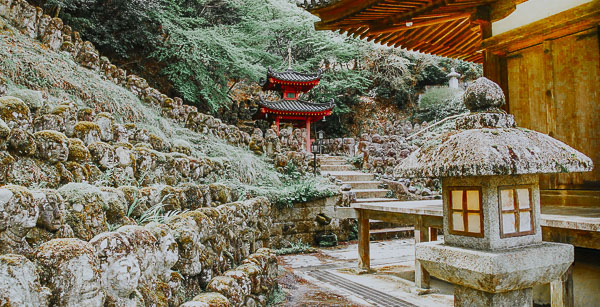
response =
{"points": [[367, 189]]}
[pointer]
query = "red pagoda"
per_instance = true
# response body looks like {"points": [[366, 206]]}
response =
{"points": [[290, 108]]}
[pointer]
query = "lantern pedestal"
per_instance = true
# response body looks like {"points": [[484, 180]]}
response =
{"points": [[495, 278]]}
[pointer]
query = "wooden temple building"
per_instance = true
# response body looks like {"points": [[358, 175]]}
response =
{"points": [[545, 55], [290, 108]]}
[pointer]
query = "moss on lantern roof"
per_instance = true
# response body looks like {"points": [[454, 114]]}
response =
{"points": [[490, 144]]}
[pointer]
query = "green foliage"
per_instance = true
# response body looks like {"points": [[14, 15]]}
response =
{"points": [[440, 102], [116, 27], [276, 297], [399, 75], [295, 248], [353, 235], [300, 191], [205, 47], [356, 161]]}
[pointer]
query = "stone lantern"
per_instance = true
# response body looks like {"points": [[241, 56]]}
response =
{"points": [[453, 75], [492, 250]]}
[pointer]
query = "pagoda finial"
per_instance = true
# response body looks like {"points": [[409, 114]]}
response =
{"points": [[289, 57]]}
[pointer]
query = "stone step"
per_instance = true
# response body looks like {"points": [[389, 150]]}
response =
{"points": [[391, 233], [333, 161], [364, 184], [375, 200], [370, 193], [336, 167], [350, 175]]}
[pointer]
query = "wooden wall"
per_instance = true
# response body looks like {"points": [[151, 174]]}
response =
{"points": [[554, 88], [550, 73]]}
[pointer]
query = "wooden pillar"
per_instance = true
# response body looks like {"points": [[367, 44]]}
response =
{"points": [[308, 134], [277, 124], [421, 235], [433, 234], [364, 257], [561, 290]]}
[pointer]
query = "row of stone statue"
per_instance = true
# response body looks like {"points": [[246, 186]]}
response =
{"points": [[201, 244], [130, 267], [53, 158]]}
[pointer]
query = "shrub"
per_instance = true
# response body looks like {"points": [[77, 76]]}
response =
{"points": [[295, 248], [440, 102]]}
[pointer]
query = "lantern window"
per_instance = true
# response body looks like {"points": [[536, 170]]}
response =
{"points": [[466, 216], [516, 211]]}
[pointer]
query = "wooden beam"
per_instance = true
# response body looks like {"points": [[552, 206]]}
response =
{"points": [[579, 238], [364, 257], [571, 21], [421, 235], [579, 198], [419, 24], [308, 134], [338, 11], [395, 19], [561, 290]]}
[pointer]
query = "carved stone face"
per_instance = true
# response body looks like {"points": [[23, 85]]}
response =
{"points": [[119, 268], [124, 275], [103, 154], [144, 248], [51, 207], [105, 122], [15, 112], [17, 210], [21, 142], [19, 283], [70, 268], [88, 132], [69, 116], [168, 251], [52, 146], [84, 205], [188, 239]]}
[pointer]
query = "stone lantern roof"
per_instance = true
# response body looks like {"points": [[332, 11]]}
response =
{"points": [[453, 73], [489, 143]]}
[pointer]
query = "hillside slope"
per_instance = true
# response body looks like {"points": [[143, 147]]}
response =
{"points": [[100, 173]]}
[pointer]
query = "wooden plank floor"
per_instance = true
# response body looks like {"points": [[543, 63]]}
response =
{"points": [[566, 218]]}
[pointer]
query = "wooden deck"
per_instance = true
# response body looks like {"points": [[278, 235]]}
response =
{"points": [[579, 226]]}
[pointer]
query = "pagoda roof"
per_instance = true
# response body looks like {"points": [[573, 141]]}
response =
{"points": [[293, 76], [446, 28], [296, 106], [289, 77]]}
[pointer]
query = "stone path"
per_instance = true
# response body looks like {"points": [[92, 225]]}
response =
{"points": [[368, 190], [332, 274]]}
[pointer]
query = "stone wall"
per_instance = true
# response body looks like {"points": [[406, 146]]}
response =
{"points": [[247, 285], [65, 234], [312, 222]]}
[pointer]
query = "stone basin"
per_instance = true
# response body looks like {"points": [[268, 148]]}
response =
{"points": [[496, 271]]}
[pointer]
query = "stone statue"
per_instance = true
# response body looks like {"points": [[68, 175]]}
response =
{"points": [[186, 233], [85, 213], [119, 269], [168, 255], [19, 283], [18, 214], [144, 247], [51, 220], [52, 146], [70, 268], [167, 248]]}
